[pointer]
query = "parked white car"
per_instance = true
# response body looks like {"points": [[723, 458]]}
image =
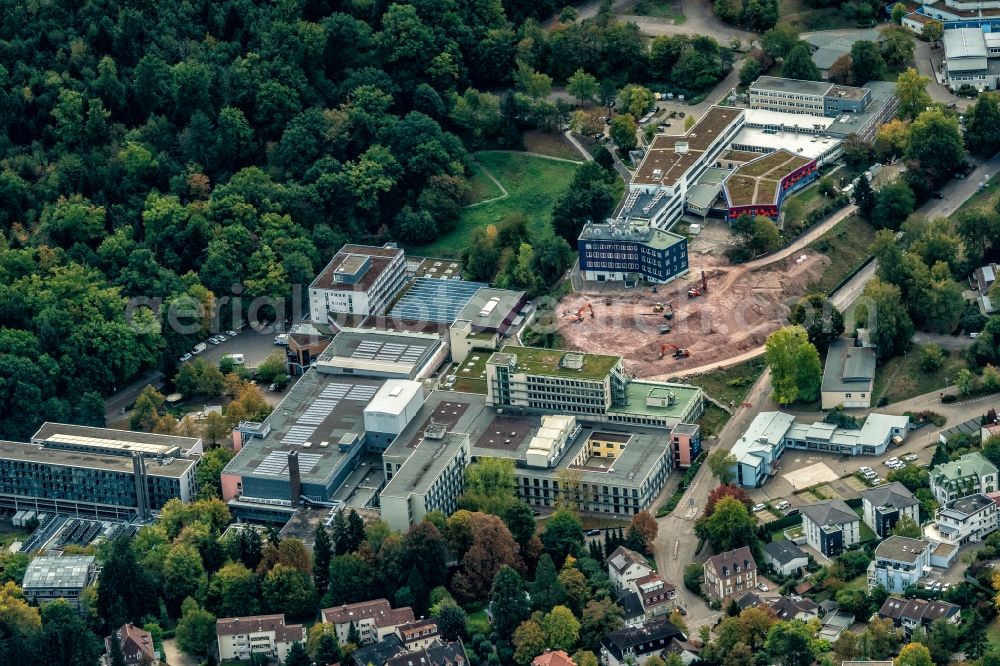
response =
{"points": [[781, 506], [758, 507]]}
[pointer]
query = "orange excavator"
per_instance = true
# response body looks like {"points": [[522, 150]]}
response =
{"points": [[679, 352], [694, 292], [584, 308]]}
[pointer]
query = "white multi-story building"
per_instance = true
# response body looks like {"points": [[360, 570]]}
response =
{"points": [[360, 280], [625, 567], [899, 563], [968, 475], [673, 164], [242, 637], [831, 526], [431, 478], [373, 620], [885, 505], [971, 58], [965, 520]]}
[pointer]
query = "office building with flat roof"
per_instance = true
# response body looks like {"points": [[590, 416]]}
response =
{"points": [[353, 402], [484, 320], [760, 185], [620, 250], [972, 58], [97, 473], [855, 110], [591, 385], [360, 280], [598, 467], [673, 164]]}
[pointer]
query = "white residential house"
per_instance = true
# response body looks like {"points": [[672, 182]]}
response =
{"points": [[625, 567], [647, 599], [968, 475], [785, 557], [373, 620], [885, 505], [831, 526], [899, 563], [241, 637], [965, 520]]}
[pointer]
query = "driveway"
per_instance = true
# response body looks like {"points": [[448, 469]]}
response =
{"points": [[928, 62], [174, 657]]}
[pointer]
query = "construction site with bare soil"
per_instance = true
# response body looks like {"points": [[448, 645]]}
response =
{"points": [[714, 313]]}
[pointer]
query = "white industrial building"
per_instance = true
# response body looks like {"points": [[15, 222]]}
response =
{"points": [[393, 406], [770, 433], [971, 58]]}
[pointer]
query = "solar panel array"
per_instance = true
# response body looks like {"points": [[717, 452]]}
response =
{"points": [[431, 299], [390, 352], [321, 408], [276, 463]]}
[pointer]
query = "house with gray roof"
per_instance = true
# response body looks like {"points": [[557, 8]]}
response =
{"points": [[848, 376], [785, 557], [968, 475], [884, 505], [965, 520], [830, 526]]}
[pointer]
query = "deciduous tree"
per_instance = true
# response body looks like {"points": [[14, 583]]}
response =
{"points": [[794, 364]]}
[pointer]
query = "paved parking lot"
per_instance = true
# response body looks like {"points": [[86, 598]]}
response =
{"points": [[254, 346], [846, 486]]}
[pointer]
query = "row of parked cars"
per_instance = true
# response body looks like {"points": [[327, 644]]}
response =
{"points": [[202, 346], [872, 477]]}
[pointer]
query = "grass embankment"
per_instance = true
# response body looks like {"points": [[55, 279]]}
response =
{"points": [[901, 377], [533, 183], [727, 385], [848, 245]]}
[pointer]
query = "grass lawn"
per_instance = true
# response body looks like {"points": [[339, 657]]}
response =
{"points": [[481, 187], [665, 9], [902, 377], [993, 632], [986, 200], [848, 247], [478, 623], [808, 19], [534, 184], [713, 420], [730, 384], [547, 143], [9, 534]]}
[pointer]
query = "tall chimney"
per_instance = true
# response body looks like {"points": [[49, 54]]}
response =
{"points": [[294, 477]]}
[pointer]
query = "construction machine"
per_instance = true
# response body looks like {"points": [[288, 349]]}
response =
{"points": [[669, 314], [579, 313], [694, 292], [658, 307], [679, 352]]}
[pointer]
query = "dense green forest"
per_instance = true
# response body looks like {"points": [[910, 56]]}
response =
{"points": [[189, 152]]}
